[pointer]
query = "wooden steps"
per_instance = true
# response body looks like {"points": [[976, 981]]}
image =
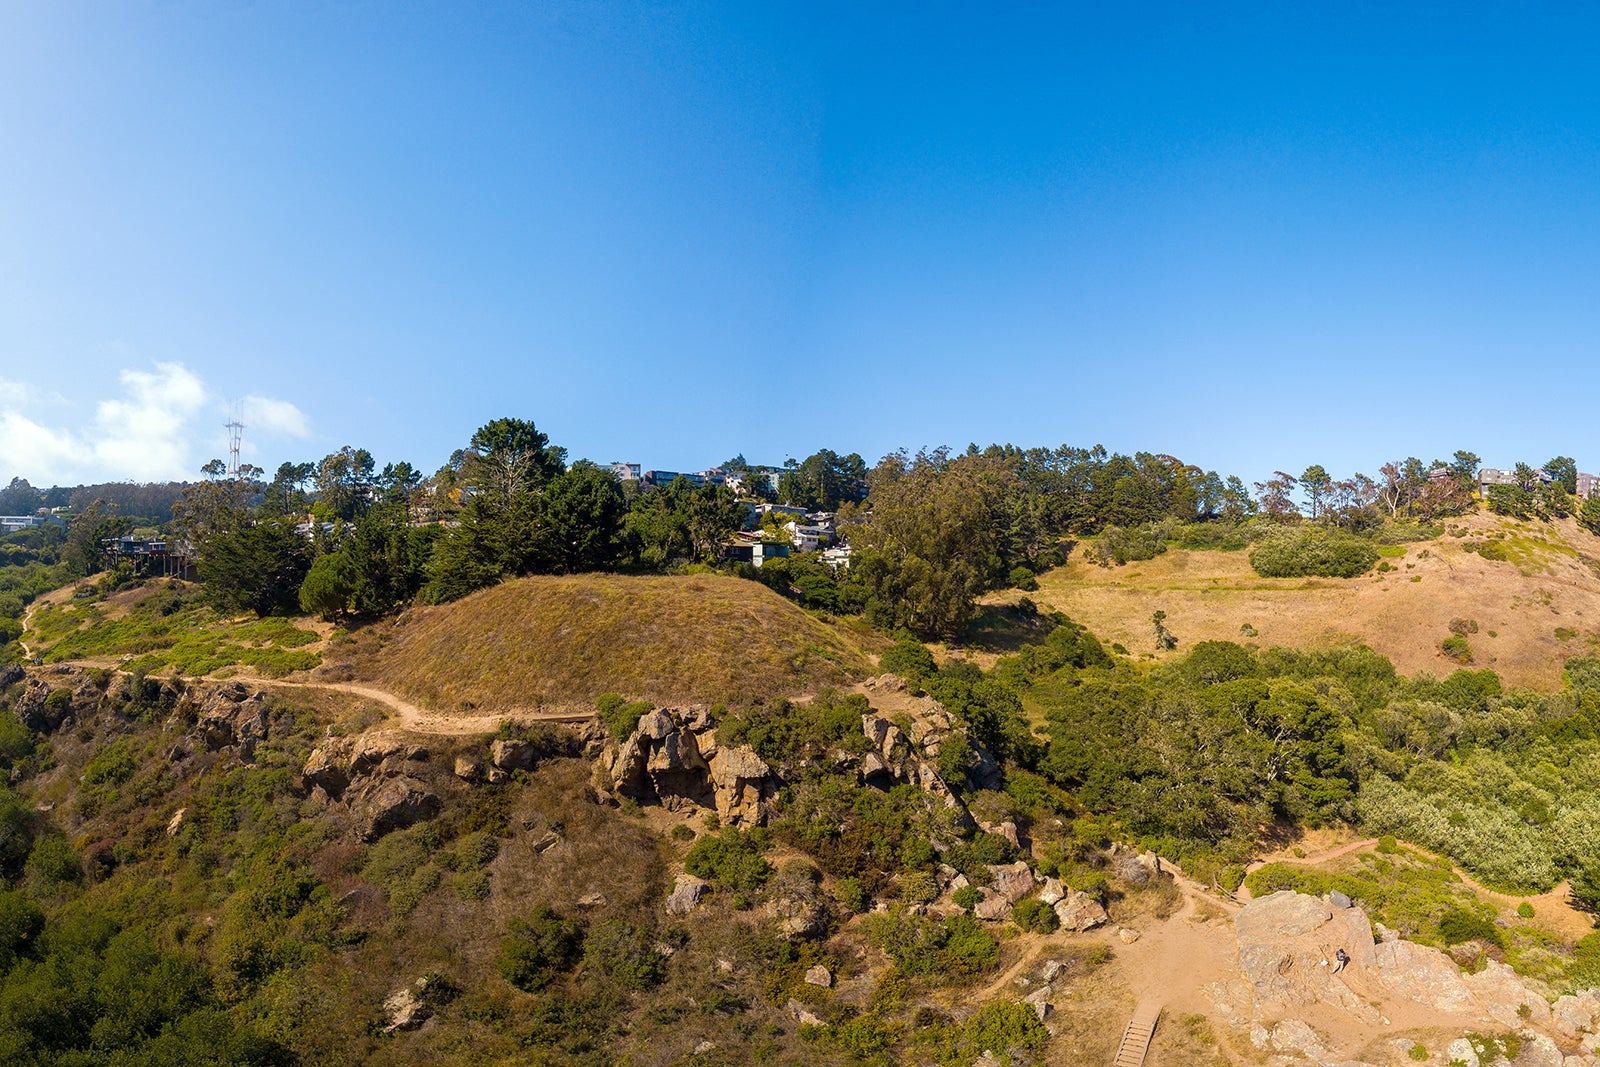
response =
{"points": [[1136, 1038]]}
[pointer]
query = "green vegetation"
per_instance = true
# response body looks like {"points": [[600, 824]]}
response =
{"points": [[1311, 550], [164, 625]]}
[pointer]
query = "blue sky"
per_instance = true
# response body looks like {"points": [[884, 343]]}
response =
{"points": [[1254, 236]]}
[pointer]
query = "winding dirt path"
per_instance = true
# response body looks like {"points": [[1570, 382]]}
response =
{"points": [[1553, 908], [412, 719], [405, 716]]}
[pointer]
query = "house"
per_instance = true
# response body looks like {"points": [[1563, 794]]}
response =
{"points": [[626, 472], [1588, 485], [837, 556], [13, 523], [754, 551], [1490, 476], [150, 555]]}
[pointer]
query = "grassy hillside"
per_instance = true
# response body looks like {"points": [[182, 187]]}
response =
{"points": [[1534, 597], [565, 641]]}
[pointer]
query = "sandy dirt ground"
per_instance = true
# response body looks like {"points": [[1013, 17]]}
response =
{"points": [[1405, 613]]}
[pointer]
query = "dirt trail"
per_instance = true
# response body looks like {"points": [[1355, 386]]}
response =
{"points": [[1552, 909], [412, 719]]}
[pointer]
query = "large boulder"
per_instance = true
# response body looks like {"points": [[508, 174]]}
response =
{"points": [[1079, 912], [1505, 999], [1576, 1014], [1422, 974], [231, 715], [1286, 946], [1011, 880], [742, 785], [661, 761], [382, 805], [686, 894]]}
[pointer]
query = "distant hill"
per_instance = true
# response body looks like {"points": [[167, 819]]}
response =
{"points": [[1534, 600], [566, 640]]}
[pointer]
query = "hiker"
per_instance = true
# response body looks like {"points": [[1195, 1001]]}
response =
{"points": [[1343, 957]]}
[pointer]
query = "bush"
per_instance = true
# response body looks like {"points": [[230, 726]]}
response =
{"points": [[730, 860], [537, 949], [53, 862], [1313, 551], [1456, 648], [918, 887], [1022, 578], [1035, 916], [850, 894], [967, 897], [625, 954], [910, 659], [1524, 910], [621, 717], [1458, 925], [1117, 545], [935, 949]]}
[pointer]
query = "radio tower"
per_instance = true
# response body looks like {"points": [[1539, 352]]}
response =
{"points": [[235, 430]]}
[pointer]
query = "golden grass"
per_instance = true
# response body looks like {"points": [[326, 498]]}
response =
{"points": [[1518, 603], [563, 641]]}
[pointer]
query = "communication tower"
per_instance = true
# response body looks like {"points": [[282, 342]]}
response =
{"points": [[235, 428]]}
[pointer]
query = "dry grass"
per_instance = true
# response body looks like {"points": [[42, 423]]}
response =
{"points": [[1548, 581], [552, 642]]}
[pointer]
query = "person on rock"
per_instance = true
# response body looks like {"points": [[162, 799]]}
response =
{"points": [[1343, 959]]}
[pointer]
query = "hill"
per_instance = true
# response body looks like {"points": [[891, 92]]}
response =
{"points": [[555, 641], [1527, 593]]}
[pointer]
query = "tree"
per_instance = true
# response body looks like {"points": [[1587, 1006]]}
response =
{"points": [[344, 484], [1275, 496], [256, 567], [679, 521], [84, 552], [929, 542], [823, 481], [508, 457], [1315, 482], [20, 498], [1564, 471], [580, 520], [1589, 515]]}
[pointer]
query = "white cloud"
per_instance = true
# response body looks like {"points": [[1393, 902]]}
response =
{"points": [[152, 432], [13, 393], [275, 417]]}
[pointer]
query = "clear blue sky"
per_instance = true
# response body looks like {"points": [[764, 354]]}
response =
{"points": [[1255, 237]]}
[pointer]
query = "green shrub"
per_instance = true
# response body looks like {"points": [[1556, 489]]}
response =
{"points": [[1455, 647], [1035, 916], [112, 765], [935, 949], [1313, 551], [621, 717], [910, 659], [1118, 545], [1459, 925], [730, 860], [537, 949], [624, 953], [918, 887], [1524, 910], [967, 897], [849, 893], [53, 862], [1022, 578]]}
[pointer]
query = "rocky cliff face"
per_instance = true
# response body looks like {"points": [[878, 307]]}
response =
{"points": [[673, 759], [1287, 943]]}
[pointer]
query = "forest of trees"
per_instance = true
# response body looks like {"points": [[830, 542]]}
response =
{"points": [[930, 533]]}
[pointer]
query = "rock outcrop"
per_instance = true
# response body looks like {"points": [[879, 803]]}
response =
{"points": [[1287, 943], [1078, 912], [375, 778]]}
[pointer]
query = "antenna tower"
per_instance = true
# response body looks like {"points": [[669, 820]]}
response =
{"points": [[235, 429]]}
